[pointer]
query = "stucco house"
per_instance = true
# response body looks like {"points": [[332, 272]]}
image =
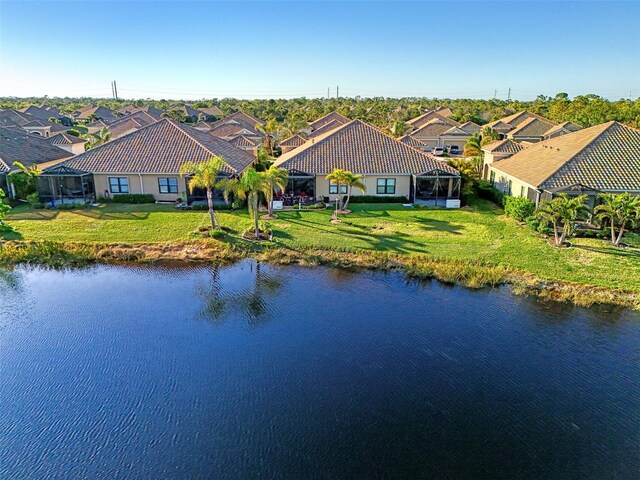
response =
{"points": [[603, 158], [530, 127], [17, 145], [86, 114], [146, 161], [70, 143], [390, 167]]}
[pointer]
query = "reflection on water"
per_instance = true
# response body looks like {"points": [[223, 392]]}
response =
{"points": [[253, 371]]}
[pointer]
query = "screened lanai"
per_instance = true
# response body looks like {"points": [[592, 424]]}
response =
{"points": [[62, 184], [436, 187]]}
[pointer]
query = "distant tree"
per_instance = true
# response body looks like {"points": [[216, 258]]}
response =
{"points": [[562, 211], [96, 139], [270, 132], [620, 211], [205, 175], [399, 128], [473, 147]]}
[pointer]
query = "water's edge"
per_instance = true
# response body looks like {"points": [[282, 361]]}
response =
{"points": [[450, 271]]}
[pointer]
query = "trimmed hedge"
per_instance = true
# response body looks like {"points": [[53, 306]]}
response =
{"points": [[130, 198], [377, 199], [489, 192], [518, 207]]}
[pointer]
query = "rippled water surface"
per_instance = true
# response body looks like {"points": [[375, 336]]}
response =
{"points": [[255, 372]]}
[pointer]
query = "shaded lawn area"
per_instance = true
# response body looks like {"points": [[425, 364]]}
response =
{"points": [[480, 232]]}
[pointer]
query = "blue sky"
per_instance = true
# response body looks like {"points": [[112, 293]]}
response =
{"points": [[265, 49]]}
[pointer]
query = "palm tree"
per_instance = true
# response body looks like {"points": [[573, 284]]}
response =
{"points": [[204, 175], [95, 139], [564, 210], [247, 187], [473, 147], [622, 210], [399, 128], [339, 177], [353, 180], [292, 126], [275, 178], [4, 209], [270, 131], [489, 135]]}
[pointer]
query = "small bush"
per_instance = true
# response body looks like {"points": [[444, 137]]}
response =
{"points": [[34, 200], [519, 208], [205, 206], [217, 234], [489, 192], [135, 198], [377, 199], [73, 132]]}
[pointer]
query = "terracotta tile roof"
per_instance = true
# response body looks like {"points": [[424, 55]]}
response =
{"points": [[101, 112], [456, 132], [503, 146], [412, 142], [39, 112], [99, 124], [428, 116], [470, 127], [17, 145], [531, 127], [360, 148], [65, 139], [243, 118], [511, 122], [243, 142], [54, 127], [446, 111], [127, 109], [604, 157], [232, 129], [562, 128], [162, 147], [186, 110], [12, 118], [500, 126], [329, 117], [293, 141], [212, 111], [327, 127], [122, 127], [432, 128], [204, 126]]}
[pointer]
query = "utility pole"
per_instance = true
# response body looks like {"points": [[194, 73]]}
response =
{"points": [[509, 95], [495, 92], [115, 89], [337, 91], [113, 92], [328, 92]]}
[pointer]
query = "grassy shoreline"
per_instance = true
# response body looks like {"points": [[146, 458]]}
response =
{"points": [[474, 246], [471, 274]]}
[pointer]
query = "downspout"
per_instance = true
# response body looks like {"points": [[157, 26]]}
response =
{"points": [[141, 184]]}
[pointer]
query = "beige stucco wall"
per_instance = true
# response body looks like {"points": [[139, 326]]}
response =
{"points": [[403, 186], [502, 183], [145, 183]]}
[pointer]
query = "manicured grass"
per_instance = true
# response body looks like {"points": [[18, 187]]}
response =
{"points": [[480, 232]]}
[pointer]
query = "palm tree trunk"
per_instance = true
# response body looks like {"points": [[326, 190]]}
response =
{"points": [[620, 233], [212, 214], [555, 233], [346, 204], [613, 232], [270, 202], [254, 202], [340, 196]]}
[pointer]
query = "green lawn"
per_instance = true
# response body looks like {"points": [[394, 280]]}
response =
{"points": [[480, 232]]}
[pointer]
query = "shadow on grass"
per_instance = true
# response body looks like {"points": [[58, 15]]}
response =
{"points": [[102, 215], [430, 224], [630, 253], [34, 215], [11, 235]]}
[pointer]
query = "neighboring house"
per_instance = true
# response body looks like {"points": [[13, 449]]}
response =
{"points": [[413, 142], [445, 111], [153, 112], [123, 127], [43, 112], [326, 127], [332, 118], [428, 116], [210, 113], [390, 167], [44, 128], [470, 127], [70, 143], [189, 113], [232, 129], [145, 161], [17, 145], [561, 129], [430, 133], [246, 143], [242, 117], [86, 114], [95, 127], [530, 127], [292, 142], [498, 150], [603, 158]]}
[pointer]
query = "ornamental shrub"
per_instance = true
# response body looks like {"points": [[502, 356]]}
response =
{"points": [[136, 198], [519, 208]]}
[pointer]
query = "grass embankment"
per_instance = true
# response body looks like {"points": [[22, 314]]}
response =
{"points": [[474, 246]]}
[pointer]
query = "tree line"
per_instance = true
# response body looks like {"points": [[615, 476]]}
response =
{"points": [[585, 110]]}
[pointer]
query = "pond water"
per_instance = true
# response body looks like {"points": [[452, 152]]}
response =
{"points": [[254, 371]]}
